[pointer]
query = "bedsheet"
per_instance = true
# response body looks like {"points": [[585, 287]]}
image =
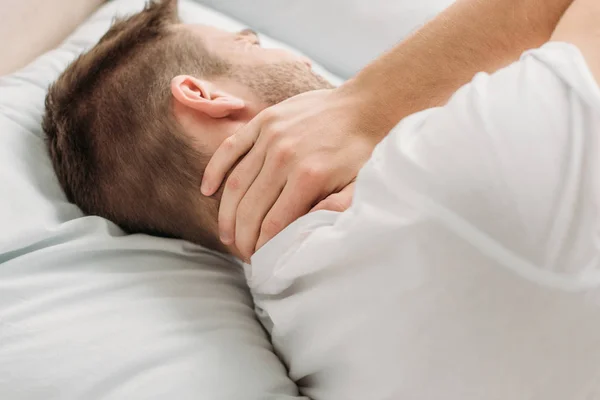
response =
{"points": [[88, 312]]}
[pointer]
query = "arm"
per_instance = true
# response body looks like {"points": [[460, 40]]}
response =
{"points": [[320, 140], [580, 27], [484, 209], [36, 26], [470, 36]]}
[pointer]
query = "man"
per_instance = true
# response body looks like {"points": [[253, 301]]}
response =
{"points": [[467, 266], [333, 132], [132, 123], [424, 296]]}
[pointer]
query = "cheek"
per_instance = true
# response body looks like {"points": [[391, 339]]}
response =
{"points": [[280, 55], [261, 56]]}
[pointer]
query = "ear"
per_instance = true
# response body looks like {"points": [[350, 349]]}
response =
{"points": [[204, 97]]}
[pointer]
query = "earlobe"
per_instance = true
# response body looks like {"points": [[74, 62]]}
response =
{"points": [[202, 96]]}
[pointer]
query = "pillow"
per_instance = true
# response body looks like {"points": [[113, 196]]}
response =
{"points": [[89, 312], [343, 35]]}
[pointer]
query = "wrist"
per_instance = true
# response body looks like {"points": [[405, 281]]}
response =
{"points": [[371, 116]]}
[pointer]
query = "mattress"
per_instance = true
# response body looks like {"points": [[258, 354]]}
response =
{"points": [[89, 312]]}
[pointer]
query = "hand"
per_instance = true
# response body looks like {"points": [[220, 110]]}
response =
{"points": [[340, 201], [295, 154]]}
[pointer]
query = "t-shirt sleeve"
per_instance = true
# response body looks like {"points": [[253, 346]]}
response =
{"points": [[510, 162]]}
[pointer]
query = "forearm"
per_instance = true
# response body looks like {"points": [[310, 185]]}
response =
{"points": [[470, 36], [53, 21], [580, 27]]}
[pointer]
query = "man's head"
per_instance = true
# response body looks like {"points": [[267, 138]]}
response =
{"points": [[132, 123]]}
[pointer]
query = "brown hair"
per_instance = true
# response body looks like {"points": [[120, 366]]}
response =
{"points": [[115, 145]]}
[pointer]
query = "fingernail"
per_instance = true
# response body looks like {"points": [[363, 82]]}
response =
{"points": [[225, 238], [205, 189]]}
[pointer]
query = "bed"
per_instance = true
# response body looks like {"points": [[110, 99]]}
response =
{"points": [[89, 312]]}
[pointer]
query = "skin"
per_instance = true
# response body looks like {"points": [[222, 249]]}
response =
{"points": [[223, 105], [580, 27], [317, 142]]}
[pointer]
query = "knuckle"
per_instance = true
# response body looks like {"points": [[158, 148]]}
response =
{"points": [[229, 143], [311, 173], [283, 153], [269, 116], [275, 133], [233, 183]]}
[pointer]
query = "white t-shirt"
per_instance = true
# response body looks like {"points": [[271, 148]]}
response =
{"points": [[467, 267]]}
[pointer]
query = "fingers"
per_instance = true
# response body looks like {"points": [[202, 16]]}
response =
{"points": [[235, 188], [337, 201], [288, 208], [228, 153], [255, 205], [275, 221]]}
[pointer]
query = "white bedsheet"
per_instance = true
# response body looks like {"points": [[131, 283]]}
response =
{"points": [[88, 312], [468, 265]]}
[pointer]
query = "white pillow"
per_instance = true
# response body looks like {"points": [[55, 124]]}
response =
{"points": [[343, 35], [87, 312]]}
